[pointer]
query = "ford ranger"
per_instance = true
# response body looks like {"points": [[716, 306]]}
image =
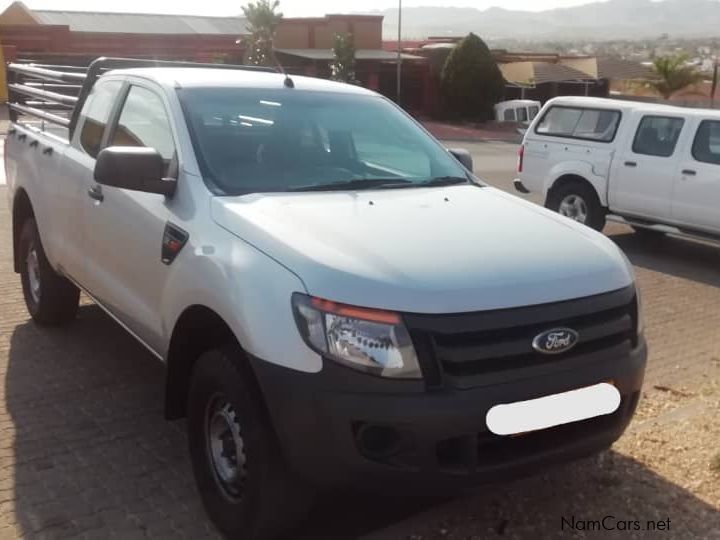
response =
{"points": [[339, 301]]}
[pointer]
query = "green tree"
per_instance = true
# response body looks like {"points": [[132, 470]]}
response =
{"points": [[673, 74], [262, 21], [342, 67], [471, 81]]}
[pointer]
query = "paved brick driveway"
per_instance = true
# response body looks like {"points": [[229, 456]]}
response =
{"points": [[84, 451]]}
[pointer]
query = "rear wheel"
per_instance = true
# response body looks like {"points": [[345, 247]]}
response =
{"points": [[243, 480], [578, 202], [50, 298]]}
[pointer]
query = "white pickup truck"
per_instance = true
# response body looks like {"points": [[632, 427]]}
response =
{"points": [[338, 300], [654, 167]]}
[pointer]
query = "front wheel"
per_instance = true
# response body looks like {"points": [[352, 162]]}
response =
{"points": [[244, 483], [50, 298], [578, 202]]}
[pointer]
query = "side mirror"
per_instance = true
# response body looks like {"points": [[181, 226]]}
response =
{"points": [[463, 156], [133, 167]]}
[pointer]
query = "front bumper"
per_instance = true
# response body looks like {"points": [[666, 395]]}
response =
{"points": [[345, 428]]}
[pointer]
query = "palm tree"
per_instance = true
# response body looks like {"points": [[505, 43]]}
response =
{"points": [[673, 74], [262, 20]]}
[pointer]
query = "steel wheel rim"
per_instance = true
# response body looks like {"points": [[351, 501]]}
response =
{"points": [[32, 262], [225, 447], [574, 207]]}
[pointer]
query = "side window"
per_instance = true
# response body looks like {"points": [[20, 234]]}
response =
{"points": [[587, 124], [96, 114], [144, 122], [509, 115], [534, 111], [706, 147], [657, 136], [522, 114]]}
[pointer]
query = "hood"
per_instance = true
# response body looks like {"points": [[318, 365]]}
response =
{"points": [[432, 250]]}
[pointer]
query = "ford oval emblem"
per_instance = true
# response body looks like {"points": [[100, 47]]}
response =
{"points": [[556, 341]]}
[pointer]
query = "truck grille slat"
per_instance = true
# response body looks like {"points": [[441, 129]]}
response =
{"points": [[478, 347]]}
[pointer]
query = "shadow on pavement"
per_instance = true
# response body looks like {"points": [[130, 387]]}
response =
{"points": [[687, 259], [93, 453], [609, 487]]}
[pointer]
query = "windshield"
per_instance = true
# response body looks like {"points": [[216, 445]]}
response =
{"points": [[250, 140]]}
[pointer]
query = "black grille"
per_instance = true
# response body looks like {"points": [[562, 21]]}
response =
{"points": [[479, 345]]}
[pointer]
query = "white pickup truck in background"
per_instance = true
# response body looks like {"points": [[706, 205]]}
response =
{"points": [[654, 167]]}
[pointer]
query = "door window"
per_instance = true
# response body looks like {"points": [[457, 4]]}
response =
{"points": [[144, 122], [522, 114], [657, 136], [509, 115], [96, 114], [706, 147]]}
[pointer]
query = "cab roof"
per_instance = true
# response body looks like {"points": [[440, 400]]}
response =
{"points": [[627, 105], [201, 77]]}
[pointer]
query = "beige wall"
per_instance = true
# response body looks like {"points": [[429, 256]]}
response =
{"points": [[518, 72], [324, 33], [368, 34], [586, 65], [292, 36], [298, 33]]}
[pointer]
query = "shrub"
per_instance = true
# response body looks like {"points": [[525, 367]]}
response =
{"points": [[471, 81]]}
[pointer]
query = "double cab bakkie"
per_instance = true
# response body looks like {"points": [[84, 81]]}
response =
{"points": [[339, 301], [654, 167]]}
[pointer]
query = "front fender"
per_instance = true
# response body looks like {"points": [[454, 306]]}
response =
{"points": [[250, 291], [586, 170]]}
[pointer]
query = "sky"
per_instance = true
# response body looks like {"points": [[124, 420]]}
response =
{"points": [[291, 8]]}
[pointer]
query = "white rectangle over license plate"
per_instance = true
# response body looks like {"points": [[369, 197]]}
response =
{"points": [[554, 410]]}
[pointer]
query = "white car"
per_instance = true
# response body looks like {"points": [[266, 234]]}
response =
{"points": [[655, 167], [517, 110], [338, 300]]}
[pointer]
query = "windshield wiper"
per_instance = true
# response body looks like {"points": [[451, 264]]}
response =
{"points": [[444, 181], [384, 183]]}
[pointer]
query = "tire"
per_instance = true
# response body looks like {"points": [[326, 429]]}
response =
{"points": [[252, 496], [579, 202], [51, 299]]}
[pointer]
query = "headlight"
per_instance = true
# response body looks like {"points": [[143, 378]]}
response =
{"points": [[368, 340]]}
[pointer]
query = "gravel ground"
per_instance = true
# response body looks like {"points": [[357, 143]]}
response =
{"points": [[666, 467]]}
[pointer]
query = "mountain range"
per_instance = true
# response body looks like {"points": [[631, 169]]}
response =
{"points": [[612, 19]]}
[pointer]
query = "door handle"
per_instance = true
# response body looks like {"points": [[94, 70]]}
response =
{"points": [[34, 143], [96, 193], [48, 151], [630, 164], [22, 136], [689, 172]]}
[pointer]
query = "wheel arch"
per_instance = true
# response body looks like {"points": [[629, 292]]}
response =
{"points": [[573, 178], [197, 330], [22, 209]]}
